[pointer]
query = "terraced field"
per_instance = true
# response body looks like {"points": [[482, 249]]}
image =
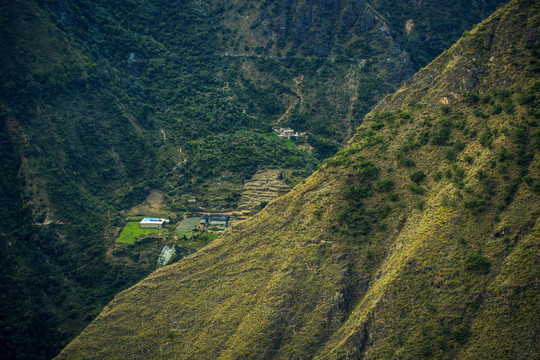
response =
{"points": [[263, 187]]}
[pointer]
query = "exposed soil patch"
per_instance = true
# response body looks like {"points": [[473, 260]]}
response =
{"points": [[297, 82], [153, 204], [409, 26]]}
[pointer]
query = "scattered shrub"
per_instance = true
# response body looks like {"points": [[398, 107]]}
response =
{"points": [[504, 155], [446, 122], [407, 162], [450, 155], [508, 106], [366, 170], [526, 98], [459, 173], [496, 109], [461, 334], [478, 113], [446, 109], [385, 185], [459, 146], [476, 206], [509, 191], [477, 263], [418, 176], [471, 98], [486, 139], [486, 99], [403, 115], [461, 124], [502, 93], [384, 211], [423, 138], [357, 192], [416, 189], [440, 136]]}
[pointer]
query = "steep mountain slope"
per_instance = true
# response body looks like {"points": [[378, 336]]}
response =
{"points": [[344, 28], [58, 170], [102, 102], [419, 240]]}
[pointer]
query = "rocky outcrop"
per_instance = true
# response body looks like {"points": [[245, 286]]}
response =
{"points": [[317, 25], [323, 28]]}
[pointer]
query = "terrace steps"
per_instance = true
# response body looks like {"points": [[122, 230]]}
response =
{"points": [[264, 186]]}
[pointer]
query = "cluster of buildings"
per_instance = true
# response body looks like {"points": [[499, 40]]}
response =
{"points": [[215, 221], [218, 221], [287, 133]]}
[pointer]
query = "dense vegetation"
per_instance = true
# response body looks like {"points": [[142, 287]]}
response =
{"points": [[424, 30], [103, 101], [419, 240]]}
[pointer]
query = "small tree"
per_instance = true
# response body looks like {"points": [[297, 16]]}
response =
{"points": [[418, 176], [477, 263]]}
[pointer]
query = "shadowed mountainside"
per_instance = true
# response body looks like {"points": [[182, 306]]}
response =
{"points": [[419, 240]]}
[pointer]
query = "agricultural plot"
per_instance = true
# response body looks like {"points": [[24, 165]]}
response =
{"points": [[287, 142], [132, 232], [187, 228], [189, 223], [190, 236]]}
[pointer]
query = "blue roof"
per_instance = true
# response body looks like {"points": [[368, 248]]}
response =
{"points": [[152, 219]]}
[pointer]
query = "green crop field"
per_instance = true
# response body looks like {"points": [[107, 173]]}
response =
{"points": [[132, 232], [185, 232], [210, 236], [287, 142]]}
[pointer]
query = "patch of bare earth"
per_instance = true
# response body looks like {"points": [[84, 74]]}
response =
{"points": [[153, 204], [409, 26], [296, 88]]}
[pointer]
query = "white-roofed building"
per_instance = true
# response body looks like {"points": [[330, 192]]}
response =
{"points": [[155, 223]]}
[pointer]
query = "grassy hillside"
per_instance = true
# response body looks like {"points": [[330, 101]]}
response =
{"points": [[419, 240]]}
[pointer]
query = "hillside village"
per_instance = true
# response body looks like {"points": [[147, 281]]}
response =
{"points": [[206, 221], [288, 133]]}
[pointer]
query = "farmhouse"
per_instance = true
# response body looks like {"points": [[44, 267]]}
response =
{"points": [[218, 220], [287, 133], [204, 220], [152, 223]]}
